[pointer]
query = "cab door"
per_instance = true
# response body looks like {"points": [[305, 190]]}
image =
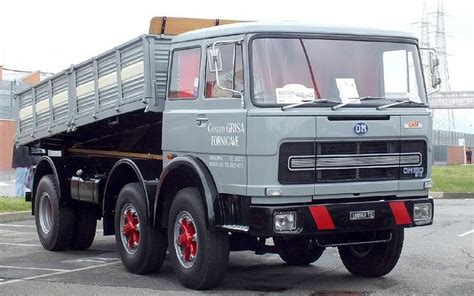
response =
{"points": [[206, 121], [222, 120]]}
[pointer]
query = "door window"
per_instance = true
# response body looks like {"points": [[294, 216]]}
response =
{"points": [[184, 82], [231, 76]]}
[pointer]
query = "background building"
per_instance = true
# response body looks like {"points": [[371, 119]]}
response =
{"points": [[10, 80]]}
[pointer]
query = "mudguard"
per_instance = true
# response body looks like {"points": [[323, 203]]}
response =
{"points": [[200, 175]]}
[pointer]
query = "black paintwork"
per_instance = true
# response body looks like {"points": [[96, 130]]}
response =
{"points": [[261, 217], [192, 168]]}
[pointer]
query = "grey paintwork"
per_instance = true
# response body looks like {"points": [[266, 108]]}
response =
{"points": [[252, 166], [146, 89], [286, 27], [267, 128]]}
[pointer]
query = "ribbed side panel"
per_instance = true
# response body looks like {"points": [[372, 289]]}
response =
{"points": [[132, 61], [42, 106], [162, 50], [107, 94], [85, 100], [60, 106], [25, 123], [119, 79]]}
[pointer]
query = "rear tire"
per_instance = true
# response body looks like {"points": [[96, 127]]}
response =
{"points": [[373, 260], [297, 251], [141, 246], [54, 220], [84, 227], [199, 255]]}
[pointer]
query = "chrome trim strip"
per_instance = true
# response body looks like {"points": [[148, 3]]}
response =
{"points": [[353, 161]]}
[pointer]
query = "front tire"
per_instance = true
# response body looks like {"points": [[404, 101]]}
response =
{"points": [[199, 255], [141, 246], [54, 220], [298, 251], [373, 260]]}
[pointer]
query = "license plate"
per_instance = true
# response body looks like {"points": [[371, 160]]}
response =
{"points": [[362, 215]]}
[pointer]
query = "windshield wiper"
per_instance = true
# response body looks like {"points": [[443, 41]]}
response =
{"points": [[286, 107], [399, 102], [358, 101]]}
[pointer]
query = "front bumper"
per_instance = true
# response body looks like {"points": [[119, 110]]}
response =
{"points": [[316, 219]]}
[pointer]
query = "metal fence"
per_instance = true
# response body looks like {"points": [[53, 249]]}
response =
{"points": [[447, 138]]}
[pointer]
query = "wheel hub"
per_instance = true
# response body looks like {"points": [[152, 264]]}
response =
{"points": [[186, 242], [45, 213], [130, 226]]}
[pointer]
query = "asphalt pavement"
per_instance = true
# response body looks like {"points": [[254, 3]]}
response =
{"points": [[437, 259]]}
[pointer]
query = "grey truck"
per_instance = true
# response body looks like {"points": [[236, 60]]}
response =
{"points": [[210, 136]]}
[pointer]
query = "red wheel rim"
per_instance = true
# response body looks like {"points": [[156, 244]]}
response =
{"points": [[186, 239], [130, 229]]}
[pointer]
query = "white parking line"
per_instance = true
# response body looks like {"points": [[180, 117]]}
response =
{"points": [[17, 225], [20, 245], [466, 233], [30, 226], [57, 273], [33, 268], [38, 245], [3, 184]]}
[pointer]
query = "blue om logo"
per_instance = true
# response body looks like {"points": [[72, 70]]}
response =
{"points": [[361, 128]]}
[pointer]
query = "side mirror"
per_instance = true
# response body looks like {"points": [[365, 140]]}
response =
{"points": [[435, 81], [433, 66], [434, 62], [214, 59]]}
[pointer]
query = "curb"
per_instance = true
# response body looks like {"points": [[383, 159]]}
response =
{"points": [[15, 216], [452, 195]]}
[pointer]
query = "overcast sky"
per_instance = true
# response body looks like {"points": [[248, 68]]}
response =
{"points": [[50, 35]]}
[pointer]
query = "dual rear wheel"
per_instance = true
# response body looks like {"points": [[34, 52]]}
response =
{"points": [[199, 255], [62, 225]]}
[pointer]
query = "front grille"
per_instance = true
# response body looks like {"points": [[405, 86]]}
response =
{"points": [[351, 161], [295, 176]]}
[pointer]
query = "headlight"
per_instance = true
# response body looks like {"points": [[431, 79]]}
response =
{"points": [[422, 213], [284, 221]]}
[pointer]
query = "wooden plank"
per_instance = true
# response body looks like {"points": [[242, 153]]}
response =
{"points": [[121, 154], [177, 25]]}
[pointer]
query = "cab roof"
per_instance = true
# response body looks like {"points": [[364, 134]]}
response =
{"points": [[287, 27]]}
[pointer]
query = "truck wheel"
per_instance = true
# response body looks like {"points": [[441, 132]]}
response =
{"points": [[54, 221], [297, 251], [199, 255], [373, 260], [141, 246], [85, 224]]}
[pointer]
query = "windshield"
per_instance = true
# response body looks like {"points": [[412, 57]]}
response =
{"points": [[294, 70]]}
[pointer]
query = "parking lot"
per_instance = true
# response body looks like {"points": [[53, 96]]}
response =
{"points": [[437, 259]]}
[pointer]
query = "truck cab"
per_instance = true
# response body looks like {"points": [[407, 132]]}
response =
{"points": [[316, 137], [302, 115], [283, 137]]}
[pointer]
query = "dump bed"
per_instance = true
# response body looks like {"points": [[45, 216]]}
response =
{"points": [[128, 78]]}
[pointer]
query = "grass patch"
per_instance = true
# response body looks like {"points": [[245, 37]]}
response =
{"points": [[453, 178], [13, 204]]}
